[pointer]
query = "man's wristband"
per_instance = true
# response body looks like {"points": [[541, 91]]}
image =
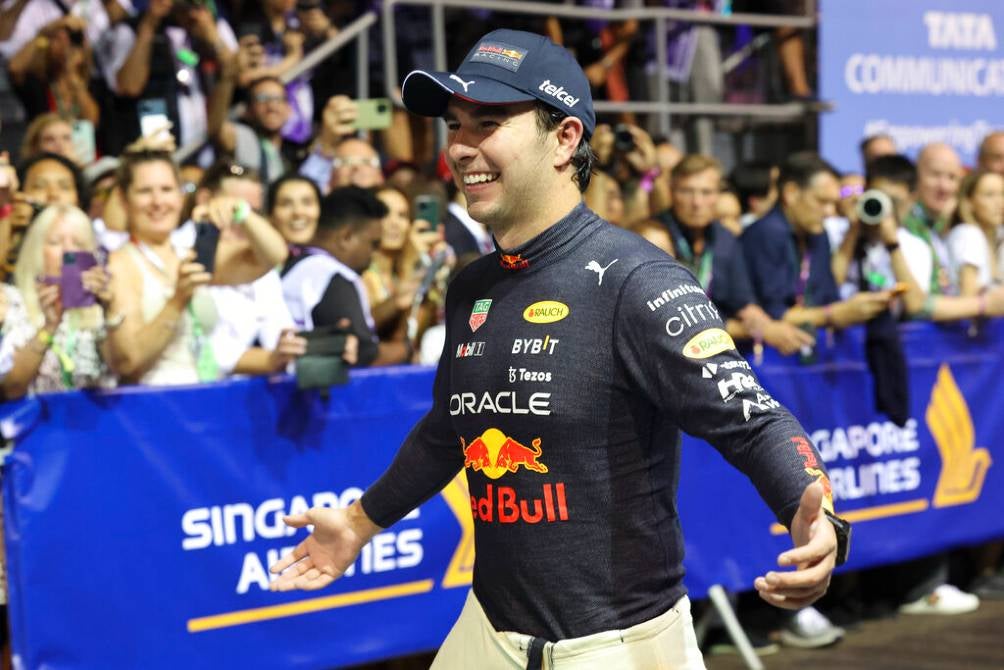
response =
{"points": [[843, 530]]}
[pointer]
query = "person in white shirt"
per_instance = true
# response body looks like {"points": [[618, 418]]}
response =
{"points": [[974, 242]]}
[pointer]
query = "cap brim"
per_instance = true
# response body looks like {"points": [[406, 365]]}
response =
{"points": [[428, 93]]}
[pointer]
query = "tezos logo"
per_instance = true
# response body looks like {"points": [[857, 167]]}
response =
{"points": [[546, 311], [708, 343], [558, 92]]}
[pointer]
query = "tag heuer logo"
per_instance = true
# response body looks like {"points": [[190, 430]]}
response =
{"points": [[479, 314]]}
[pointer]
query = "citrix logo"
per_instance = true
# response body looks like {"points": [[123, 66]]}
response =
{"points": [[558, 92]]}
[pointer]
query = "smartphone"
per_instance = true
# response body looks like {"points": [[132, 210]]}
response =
{"points": [[324, 341], [426, 207], [153, 118], [83, 141], [207, 238], [373, 113], [72, 292]]}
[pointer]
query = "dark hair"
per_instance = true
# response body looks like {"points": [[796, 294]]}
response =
{"points": [[863, 145], [896, 168], [83, 193], [801, 168], [350, 206], [751, 180], [288, 178], [212, 178], [132, 160], [584, 159], [261, 80]]}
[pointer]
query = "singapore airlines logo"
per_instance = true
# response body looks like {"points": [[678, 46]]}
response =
{"points": [[963, 465], [595, 267]]}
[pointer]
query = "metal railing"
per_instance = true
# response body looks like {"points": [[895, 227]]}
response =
{"points": [[661, 105], [357, 31]]}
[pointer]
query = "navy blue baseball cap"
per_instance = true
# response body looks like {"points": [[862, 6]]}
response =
{"points": [[506, 66]]}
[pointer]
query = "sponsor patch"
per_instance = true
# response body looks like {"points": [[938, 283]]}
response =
{"points": [[479, 314], [470, 349], [707, 343], [535, 345], [501, 54], [546, 311]]}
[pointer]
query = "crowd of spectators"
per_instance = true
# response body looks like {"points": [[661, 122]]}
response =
{"points": [[315, 226]]}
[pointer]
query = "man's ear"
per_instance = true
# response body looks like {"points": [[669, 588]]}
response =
{"points": [[789, 193], [569, 133]]}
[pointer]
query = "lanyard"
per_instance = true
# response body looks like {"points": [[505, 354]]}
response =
{"points": [[703, 267], [916, 223], [64, 353], [804, 270], [205, 360]]}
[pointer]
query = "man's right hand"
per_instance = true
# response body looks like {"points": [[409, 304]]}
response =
{"points": [[339, 535], [787, 337], [861, 307]]}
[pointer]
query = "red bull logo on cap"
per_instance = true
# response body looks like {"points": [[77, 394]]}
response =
{"points": [[494, 454]]}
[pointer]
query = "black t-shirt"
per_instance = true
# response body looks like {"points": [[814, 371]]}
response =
{"points": [[571, 365]]}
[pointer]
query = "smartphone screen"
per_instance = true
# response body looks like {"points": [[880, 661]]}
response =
{"points": [[152, 116], [207, 237], [373, 113], [427, 208], [72, 292], [83, 140]]}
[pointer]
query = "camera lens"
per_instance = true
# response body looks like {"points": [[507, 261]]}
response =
{"points": [[623, 139], [874, 206]]}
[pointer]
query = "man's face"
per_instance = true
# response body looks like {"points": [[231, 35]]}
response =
{"points": [[695, 198], [500, 160], [356, 163], [359, 244], [992, 156], [938, 173], [899, 194], [808, 207], [51, 183], [269, 108]]}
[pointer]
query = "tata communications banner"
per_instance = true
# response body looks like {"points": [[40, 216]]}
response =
{"points": [[918, 70], [140, 524]]}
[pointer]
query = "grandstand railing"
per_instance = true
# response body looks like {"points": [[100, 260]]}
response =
{"points": [[357, 31], [662, 106]]}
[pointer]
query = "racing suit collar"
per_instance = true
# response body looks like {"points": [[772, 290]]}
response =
{"points": [[551, 244]]}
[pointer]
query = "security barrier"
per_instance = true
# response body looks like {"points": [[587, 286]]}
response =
{"points": [[139, 523]]}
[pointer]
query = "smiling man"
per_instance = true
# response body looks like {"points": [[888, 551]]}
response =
{"points": [[574, 358]]}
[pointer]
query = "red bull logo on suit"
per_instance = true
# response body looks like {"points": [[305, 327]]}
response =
{"points": [[495, 454]]}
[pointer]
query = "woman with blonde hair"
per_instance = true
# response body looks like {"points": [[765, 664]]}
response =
{"points": [[975, 241], [50, 348], [49, 133]]}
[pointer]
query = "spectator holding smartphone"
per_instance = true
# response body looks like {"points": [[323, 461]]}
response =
{"points": [[400, 263], [164, 316], [55, 329]]}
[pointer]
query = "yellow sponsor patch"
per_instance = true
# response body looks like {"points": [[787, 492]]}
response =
{"points": [[546, 311], [707, 343]]}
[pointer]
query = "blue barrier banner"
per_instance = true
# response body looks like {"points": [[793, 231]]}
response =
{"points": [[918, 70], [139, 524]]}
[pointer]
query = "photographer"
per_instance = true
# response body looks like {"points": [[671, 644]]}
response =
{"points": [[628, 154], [51, 73], [155, 66]]}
